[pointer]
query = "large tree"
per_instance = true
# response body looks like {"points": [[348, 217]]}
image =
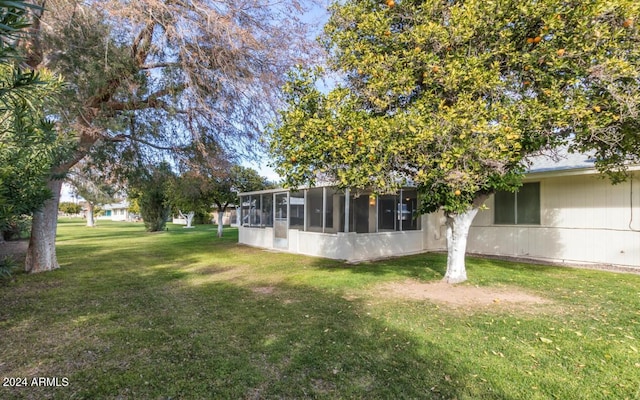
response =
{"points": [[183, 69], [453, 96], [29, 145]]}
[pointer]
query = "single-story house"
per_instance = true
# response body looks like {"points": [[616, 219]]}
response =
{"points": [[229, 217], [564, 212], [116, 212]]}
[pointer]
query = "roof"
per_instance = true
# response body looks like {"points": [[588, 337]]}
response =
{"points": [[113, 206], [561, 160]]}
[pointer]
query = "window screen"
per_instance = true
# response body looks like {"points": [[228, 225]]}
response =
{"points": [[519, 208]]}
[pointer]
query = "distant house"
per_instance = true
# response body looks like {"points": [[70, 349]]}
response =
{"points": [[230, 217], [116, 212], [564, 212]]}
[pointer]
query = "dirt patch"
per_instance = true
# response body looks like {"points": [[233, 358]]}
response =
{"points": [[461, 296], [263, 289]]}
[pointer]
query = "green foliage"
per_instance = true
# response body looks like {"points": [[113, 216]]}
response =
{"points": [[16, 227], [178, 315], [150, 192], [29, 145], [200, 188], [7, 266], [453, 96], [13, 22], [68, 207]]}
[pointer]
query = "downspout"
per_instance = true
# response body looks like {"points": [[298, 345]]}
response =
{"points": [[631, 205]]}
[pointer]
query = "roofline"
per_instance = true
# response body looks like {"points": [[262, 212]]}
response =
{"points": [[569, 172], [554, 173]]}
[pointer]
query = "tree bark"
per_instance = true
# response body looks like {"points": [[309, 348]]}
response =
{"points": [[188, 217], [458, 225], [220, 224], [41, 254], [90, 219]]}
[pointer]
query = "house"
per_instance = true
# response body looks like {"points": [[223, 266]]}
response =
{"points": [[116, 212], [564, 212], [229, 217]]}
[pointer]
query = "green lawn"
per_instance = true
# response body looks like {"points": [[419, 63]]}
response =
{"points": [[182, 314]]}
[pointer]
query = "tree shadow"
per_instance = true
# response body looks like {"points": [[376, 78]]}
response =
{"points": [[221, 340]]}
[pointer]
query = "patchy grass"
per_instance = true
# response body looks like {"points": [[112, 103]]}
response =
{"points": [[182, 314]]}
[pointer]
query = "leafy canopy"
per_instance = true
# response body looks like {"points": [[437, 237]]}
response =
{"points": [[453, 96], [29, 145]]}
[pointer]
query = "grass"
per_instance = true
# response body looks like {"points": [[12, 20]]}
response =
{"points": [[182, 314]]}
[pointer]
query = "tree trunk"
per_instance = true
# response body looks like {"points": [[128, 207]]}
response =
{"points": [[188, 217], [220, 224], [41, 254], [90, 220], [457, 232]]}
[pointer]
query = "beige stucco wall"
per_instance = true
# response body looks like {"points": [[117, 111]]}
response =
{"points": [[584, 219]]}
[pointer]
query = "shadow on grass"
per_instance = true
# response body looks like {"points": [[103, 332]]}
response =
{"points": [[219, 340], [427, 266]]}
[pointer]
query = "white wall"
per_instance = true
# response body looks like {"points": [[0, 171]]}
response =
{"points": [[584, 219], [341, 246], [356, 246], [259, 237]]}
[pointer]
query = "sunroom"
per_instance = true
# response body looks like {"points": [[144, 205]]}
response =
{"points": [[328, 222]]}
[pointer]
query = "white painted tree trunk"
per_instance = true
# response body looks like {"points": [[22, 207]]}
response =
{"points": [[220, 224], [457, 232], [188, 217], [90, 219], [41, 254]]}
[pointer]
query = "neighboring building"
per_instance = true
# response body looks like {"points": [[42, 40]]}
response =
{"points": [[565, 212], [230, 217], [116, 212]]}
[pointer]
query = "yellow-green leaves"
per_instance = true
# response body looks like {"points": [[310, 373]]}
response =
{"points": [[453, 95]]}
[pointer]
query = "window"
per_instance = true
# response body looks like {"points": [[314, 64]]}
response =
{"points": [[408, 210], [267, 209], [387, 213], [359, 212], [314, 209], [519, 208], [296, 210], [334, 204], [255, 210], [244, 211]]}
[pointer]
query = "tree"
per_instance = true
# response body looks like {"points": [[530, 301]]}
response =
{"points": [[182, 70], [225, 189], [70, 208], [29, 144], [455, 96], [94, 185], [150, 191], [188, 194], [211, 177]]}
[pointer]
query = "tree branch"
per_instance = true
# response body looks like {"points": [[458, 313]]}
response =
{"points": [[122, 137]]}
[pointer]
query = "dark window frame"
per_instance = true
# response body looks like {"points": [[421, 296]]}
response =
{"points": [[521, 210]]}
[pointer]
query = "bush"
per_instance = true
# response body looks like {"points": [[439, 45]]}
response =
{"points": [[7, 266], [16, 228]]}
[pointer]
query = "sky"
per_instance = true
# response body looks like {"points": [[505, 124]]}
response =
{"points": [[317, 17]]}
